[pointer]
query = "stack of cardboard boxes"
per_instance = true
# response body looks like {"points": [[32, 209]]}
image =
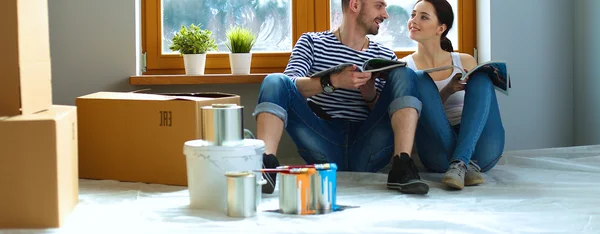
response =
{"points": [[138, 137], [46, 148], [38, 140]]}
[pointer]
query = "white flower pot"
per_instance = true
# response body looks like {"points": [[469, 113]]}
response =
{"points": [[194, 64], [240, 63]]}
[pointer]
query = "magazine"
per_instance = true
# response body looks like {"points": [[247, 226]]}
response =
{"points": [[372, 65], [496, 70]]}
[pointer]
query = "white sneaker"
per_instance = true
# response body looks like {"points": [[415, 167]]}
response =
{"points": [[473, 176], [455, 176]]}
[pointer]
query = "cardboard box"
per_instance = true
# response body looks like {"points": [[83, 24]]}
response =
{"points": [[38, 168], [25, 82], [139, 137]]}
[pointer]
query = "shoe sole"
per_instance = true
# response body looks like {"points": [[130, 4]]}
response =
{"points": [[453, 183], [416, 187], [474, 182]]}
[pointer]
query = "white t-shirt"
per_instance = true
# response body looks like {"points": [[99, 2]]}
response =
{"points": [[454, 105]]}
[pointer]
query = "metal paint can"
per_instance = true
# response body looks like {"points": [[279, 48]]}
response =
{"points": [[222, 124], [241, 194], [325, 187], [322, 187], [295, 192]]}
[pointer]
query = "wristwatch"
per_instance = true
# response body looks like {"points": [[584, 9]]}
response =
{"points": [[326, 84]]}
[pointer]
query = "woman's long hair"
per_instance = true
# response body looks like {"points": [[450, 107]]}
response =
{"points": [[445, 15]]}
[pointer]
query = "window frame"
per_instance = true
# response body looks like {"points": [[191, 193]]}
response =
{"points": [[315, 17]]}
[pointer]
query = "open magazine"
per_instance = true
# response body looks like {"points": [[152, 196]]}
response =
{"points": [[372, 65], [496, 70]]}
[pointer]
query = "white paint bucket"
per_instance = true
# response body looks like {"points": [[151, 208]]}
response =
{"points": [[207, 165]]}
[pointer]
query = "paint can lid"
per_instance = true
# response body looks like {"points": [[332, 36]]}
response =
{"points": [[239, 174]]}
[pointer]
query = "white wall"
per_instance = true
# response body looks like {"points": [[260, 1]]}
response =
{"points": [[535, 37], [484, 33], [92, 44], [587, 72], [93, 48]]}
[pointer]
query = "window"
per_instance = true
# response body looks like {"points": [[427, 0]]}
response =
{"points": [[270, 20], [278, 24], [393, 32]]}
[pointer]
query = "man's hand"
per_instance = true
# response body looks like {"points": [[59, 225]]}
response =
{"points": [[349, 78], [368, 90]]}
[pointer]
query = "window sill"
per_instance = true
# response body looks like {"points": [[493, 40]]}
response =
{"points": [[193, 80]]}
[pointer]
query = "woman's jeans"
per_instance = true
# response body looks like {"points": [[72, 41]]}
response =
{"points": [[479, 137], [353, 146]]}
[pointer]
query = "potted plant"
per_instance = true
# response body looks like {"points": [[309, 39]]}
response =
{"points": [[193, 43], [240, 41]]}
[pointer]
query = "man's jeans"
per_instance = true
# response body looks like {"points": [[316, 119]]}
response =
{"points": [[353, 146], [479, 136]]}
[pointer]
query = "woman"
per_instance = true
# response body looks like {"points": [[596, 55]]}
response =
{"points": [[460, 131]]}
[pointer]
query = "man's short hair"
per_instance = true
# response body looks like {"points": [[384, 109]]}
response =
{"points": [[345, 4]]}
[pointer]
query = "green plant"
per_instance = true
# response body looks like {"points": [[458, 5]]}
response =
{"points": [[240, 40], [193, 40]]}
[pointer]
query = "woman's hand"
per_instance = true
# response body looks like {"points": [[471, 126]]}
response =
{"points": [[453, 86]]}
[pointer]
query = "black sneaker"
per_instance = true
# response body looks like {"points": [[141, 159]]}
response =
{"points": [[269, 161], [404, 176]]}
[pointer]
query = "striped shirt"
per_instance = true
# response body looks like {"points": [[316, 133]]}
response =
{"points": [[318, 51]]}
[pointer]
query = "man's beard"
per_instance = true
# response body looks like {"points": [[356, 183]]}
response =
{"points": [[366, 24]]}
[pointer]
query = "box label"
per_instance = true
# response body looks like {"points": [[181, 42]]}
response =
{"points": [[166, 119]]}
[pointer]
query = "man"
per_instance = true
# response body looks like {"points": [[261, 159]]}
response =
{"points": [[365, 121]]}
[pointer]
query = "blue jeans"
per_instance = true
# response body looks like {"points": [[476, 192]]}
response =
{"points": [[479, 137], [354, 146]]}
